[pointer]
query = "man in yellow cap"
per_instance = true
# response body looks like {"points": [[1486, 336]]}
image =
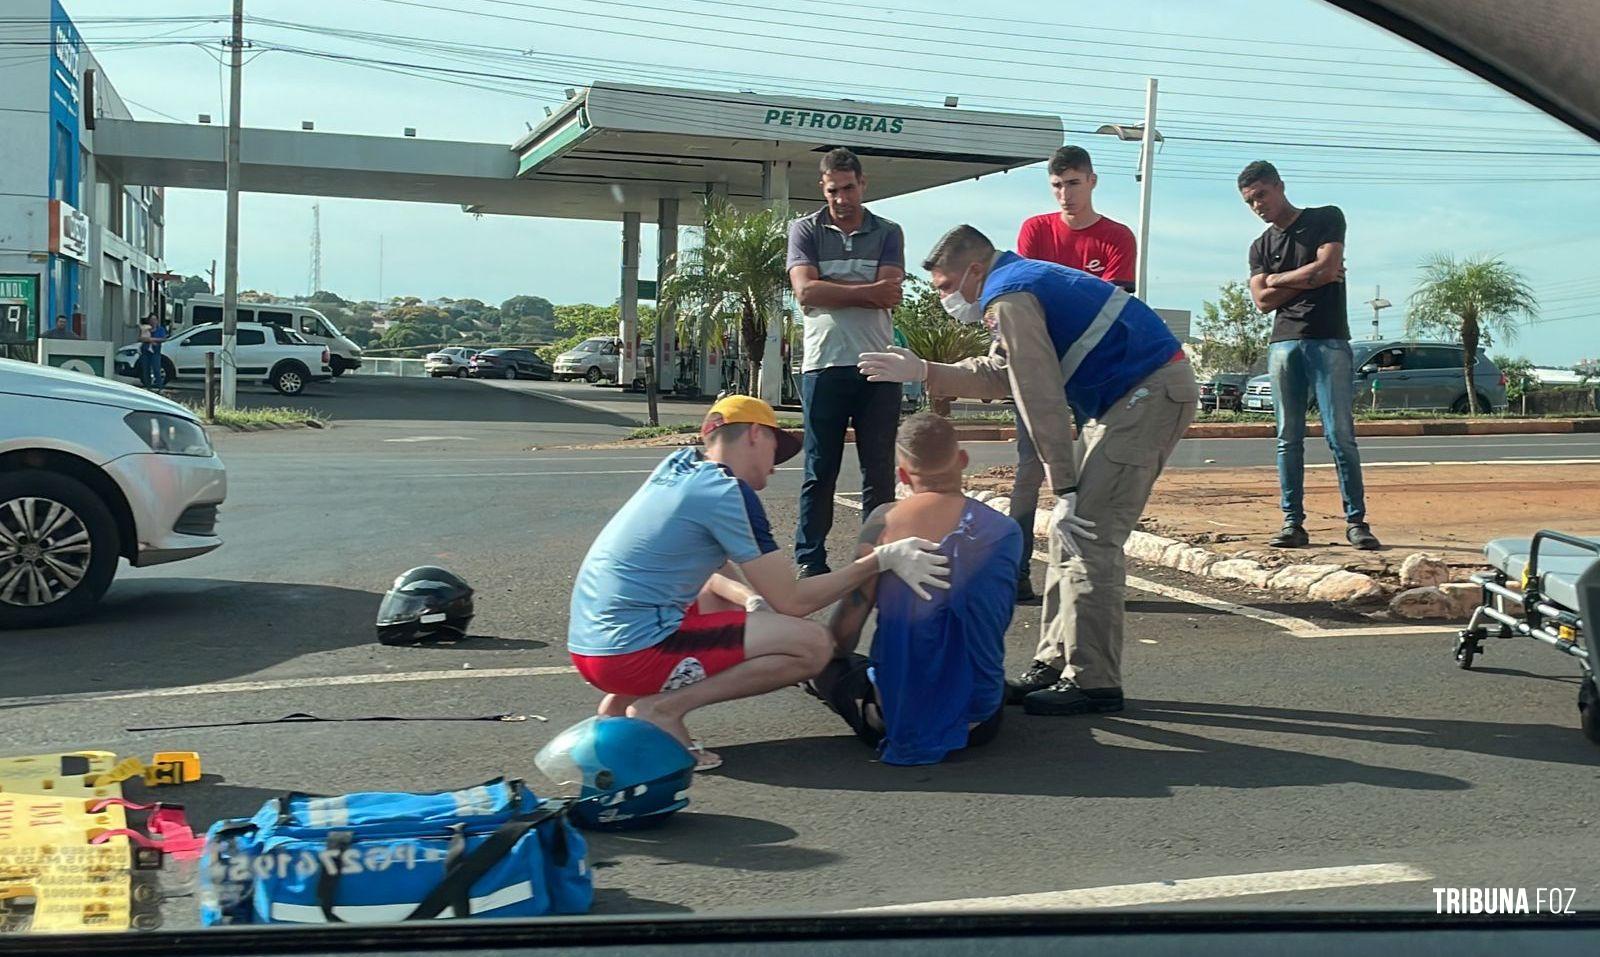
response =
{"points": [[685, 600]]}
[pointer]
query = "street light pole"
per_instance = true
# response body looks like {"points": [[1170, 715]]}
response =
{"points": [[1147, 171], [1377, 303], [230, 268], [1148, 136]]}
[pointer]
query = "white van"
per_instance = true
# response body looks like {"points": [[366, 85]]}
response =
{"points": [[312, 325]]}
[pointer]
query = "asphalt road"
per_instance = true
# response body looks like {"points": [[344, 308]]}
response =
{"points": [[1244, 751]]}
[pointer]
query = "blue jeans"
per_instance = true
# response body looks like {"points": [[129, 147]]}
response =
{"points": [[1299, 368], [151, 373], [836, 399]]}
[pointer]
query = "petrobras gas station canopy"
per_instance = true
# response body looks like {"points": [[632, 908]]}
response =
{"points": [[619, 148], [611, 149]]}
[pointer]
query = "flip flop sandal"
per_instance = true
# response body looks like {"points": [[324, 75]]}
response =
{"points": [[699, 751]]}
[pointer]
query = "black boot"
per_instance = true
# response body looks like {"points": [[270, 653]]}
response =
{"points": [[1290, 536], [1039, 675], [1065, 697], [1360, 535]]}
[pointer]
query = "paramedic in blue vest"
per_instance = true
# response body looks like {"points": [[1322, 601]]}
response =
{"points": [[1066, 342], [935, 680]]}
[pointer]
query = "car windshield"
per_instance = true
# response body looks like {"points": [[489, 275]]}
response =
{"points": [[973, 458]]}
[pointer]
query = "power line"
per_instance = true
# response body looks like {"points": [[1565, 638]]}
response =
{"points": [[958, 118], [814, 56], [1009, 49], [461, 51]]}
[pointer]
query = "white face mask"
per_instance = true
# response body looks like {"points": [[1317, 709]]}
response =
{"points": [[960, 308]]}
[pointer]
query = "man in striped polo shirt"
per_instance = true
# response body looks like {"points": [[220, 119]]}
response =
{"points": [[845, 266], [1066, 342]]}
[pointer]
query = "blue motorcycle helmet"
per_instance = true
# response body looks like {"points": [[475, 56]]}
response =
{"points": [[632, 774]]}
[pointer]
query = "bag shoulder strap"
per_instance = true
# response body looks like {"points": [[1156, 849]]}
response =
{"points": [[470, 867]]}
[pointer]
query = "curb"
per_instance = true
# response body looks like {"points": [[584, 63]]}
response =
{"points": [[265, 426], [1251, 430], [1332, 583]]}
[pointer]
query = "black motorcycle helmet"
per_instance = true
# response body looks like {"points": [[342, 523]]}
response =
{"points": [[425, 602]]}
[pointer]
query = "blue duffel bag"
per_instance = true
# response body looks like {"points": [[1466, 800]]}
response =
{"points": [[495, 850]]}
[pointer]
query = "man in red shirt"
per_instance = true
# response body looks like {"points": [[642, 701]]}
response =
{"points": [[1079, 238]]}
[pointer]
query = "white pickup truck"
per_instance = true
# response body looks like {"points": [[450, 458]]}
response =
{"points": [[266, 353]]}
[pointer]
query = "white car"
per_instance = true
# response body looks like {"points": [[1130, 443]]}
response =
{"points": [[455, 361], [92, 471], [310, 324], [266, 353], [591, 360]]}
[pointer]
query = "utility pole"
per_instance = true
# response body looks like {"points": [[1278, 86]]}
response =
{"points": [[230, 267], [1377, 303], [1147, 173], [316, 248], [213, 273]]}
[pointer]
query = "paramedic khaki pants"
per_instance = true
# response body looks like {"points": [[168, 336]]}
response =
{"points": [[1119, 457]]}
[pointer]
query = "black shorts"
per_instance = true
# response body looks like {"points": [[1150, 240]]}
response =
{"points": [[845, 687]]}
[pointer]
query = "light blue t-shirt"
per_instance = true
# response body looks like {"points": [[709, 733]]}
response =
{"points": [[689, 518]]}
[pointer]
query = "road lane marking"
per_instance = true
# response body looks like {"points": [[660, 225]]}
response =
{"points": [[458, 475], [284, 684], [433, 438], [1174, 891], [1296, 627]]}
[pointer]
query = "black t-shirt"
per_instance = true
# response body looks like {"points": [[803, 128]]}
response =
{"points": [[1315, 313]]}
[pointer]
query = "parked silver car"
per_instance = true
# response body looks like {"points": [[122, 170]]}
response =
{"points": [[91, 472], [1401, 375]]}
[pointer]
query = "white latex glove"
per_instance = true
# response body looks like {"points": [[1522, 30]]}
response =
{"points": [[918, 563], [896, 365], [756, 603], [1068, 526]]}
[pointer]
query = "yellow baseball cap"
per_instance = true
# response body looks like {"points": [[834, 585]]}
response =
{"points": [[745, 408]]}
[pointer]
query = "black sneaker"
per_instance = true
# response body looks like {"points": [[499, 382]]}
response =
{"points": [[1065, 697], [1290, 536], [1039, 675], [812, 571], [1360, 535]]}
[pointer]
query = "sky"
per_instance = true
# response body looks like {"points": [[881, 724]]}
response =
{"points": [[1421, 156]]}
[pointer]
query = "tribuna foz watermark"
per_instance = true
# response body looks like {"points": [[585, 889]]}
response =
{"points": [[1504, 900]]}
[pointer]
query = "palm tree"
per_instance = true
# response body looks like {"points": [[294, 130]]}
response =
{"points": [[932, 334], [1470, 300], [732, 280]]}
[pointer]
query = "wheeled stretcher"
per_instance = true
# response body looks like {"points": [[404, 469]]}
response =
{"points": [[1545, 588]]}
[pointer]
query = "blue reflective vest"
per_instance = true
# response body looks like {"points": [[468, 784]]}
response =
{"points": [[1107, 341]]}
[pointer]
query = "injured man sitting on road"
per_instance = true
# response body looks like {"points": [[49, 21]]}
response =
{"points": [[934, 683], [684, 599]]}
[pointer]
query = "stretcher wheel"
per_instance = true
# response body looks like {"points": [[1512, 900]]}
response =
{"points": [[1589, 709], [1467, 648]]}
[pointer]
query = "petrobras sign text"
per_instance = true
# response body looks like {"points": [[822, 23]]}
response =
{"points": [[847, 122]]}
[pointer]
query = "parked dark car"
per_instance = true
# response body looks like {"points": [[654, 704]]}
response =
{"points": [[1407, 375], [1223, 393], [510, 364]]}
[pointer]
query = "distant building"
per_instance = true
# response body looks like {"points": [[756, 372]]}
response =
{"points": [[76, 242]]}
